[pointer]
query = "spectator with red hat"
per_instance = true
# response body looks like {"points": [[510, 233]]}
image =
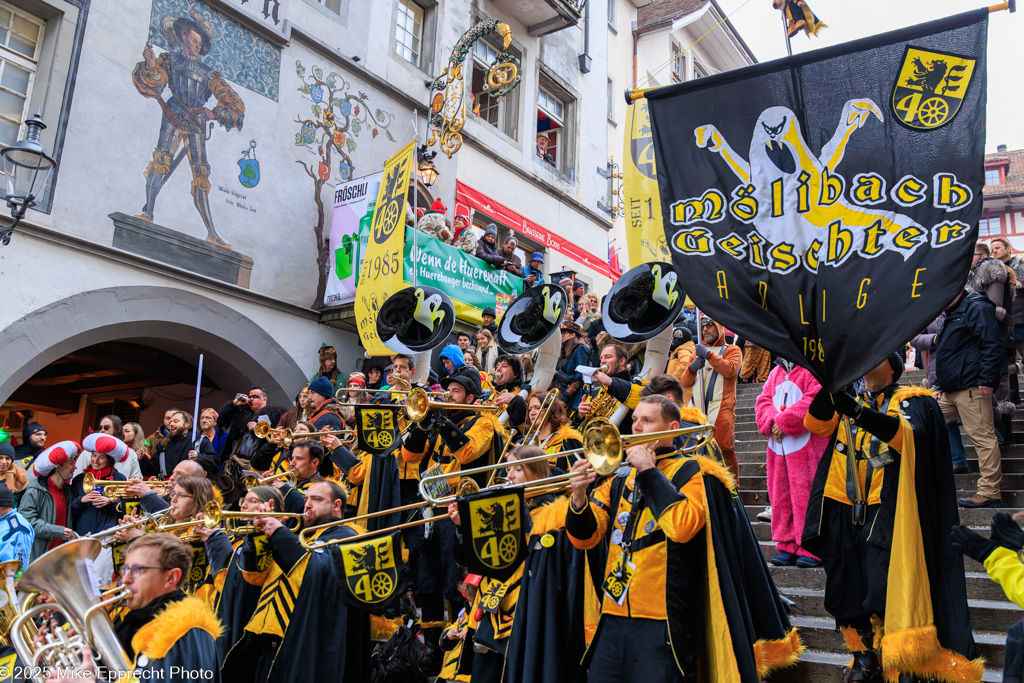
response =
{"points": [[47, 500], [91, 511]]}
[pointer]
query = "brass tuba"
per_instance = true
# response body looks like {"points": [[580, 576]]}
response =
{"points": [[65, 574], [8, 599]]}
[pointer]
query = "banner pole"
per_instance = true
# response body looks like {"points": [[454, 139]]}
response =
{"points": [[199, 387], [1010, 5], [785, 31]]}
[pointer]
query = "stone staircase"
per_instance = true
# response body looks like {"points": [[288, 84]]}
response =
{"points": [[826, 659]]}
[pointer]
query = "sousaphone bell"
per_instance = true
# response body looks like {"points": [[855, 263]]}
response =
{"points": [[643, 302], [531, 319], [415, 319]]}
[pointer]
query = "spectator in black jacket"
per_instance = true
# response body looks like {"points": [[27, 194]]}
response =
{"points": [[969, 357], [33, 441], [179, 447], [238, 418], [488, 250]]}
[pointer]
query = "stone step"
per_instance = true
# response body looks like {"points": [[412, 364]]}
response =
{"points": [[828, 657], [966, 483], [763, 530], [986, 615], [970, 565], [977, 517], [979, 585]]}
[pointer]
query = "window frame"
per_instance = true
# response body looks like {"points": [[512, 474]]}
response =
{"points": [[22, 62], [678, 62], [323, 3], [611, 99], [508, 106], [985, 225], [565, 162], [611, 15], [400, 28], [998, 174]]}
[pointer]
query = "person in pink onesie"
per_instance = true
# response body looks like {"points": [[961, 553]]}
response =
{"points": [[793, 454]]}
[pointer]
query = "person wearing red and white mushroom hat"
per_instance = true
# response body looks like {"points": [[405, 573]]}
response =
{"points": [[47, 500]]}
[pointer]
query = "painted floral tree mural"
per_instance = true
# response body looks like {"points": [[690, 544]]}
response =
{"points": [[339, 115]]}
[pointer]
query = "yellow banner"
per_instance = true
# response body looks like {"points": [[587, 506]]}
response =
{"points": [[645, 235], [381, 273]]}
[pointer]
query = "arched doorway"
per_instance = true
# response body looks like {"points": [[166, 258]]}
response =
{"points": [[113, 342]]}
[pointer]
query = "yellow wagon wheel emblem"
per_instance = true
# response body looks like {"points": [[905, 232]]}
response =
{"points": [[384, 439], [507, 548], [934, 111], [381, 585]]}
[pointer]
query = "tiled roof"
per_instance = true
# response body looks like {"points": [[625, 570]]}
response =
{"points": [[666, 10], [1014, 173]]}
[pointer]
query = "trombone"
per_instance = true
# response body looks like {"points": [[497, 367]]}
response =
{"points": [[603, 447], [115, 489], [251, 481], [286, 436], [150, 521], [427, 518], [418, 405], [337, 394], [214, 514], [532, 433]]}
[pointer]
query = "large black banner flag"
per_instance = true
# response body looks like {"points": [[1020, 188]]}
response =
{"points": [[825, 206]]}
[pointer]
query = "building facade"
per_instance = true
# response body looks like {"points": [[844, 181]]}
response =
{"points": [[653, 44], [1003, 206], [199, 144]]}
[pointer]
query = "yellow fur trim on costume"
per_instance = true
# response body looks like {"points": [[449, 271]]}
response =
{"points": [[567, 431], [911, 391], [381, 628], [693, 415], [716, 470], [917, 651], [854, 643], [433, 624], [156, 638], [878, 627], [777, 654], [494, 422]]}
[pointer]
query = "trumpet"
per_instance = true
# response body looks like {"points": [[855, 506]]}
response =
{"points": [[214, 514], [603, 447], [286, 437], [251, 481], [115, 489], [418, 405]]}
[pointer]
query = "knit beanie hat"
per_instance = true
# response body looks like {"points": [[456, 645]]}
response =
{"points": [[896, 363], [492, 229], [322, 386], [7, 449]]}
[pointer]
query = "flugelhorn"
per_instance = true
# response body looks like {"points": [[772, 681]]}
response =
{"points": [[115, 489], [64, 574], [251, 481], [418, 406], [214, 514]]}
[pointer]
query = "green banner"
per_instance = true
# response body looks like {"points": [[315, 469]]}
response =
{"points": [[472, 284]]}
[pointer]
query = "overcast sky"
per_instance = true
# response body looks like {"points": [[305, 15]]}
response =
{"points": [[761, 28]]}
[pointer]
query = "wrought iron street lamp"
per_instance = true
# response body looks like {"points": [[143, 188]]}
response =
{"points": [[425, 166], [28, 168]]}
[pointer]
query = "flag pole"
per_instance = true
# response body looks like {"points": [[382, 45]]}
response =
{"points": [[1010, 5], [785, 31], [199, 387]]}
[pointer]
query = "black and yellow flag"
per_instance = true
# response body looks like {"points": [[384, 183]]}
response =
{"points": [[493, 529], [374, 573], [377, 428], [825, 206]]}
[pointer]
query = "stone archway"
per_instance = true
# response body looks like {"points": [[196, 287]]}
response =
{"points": [[244, 352]]}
